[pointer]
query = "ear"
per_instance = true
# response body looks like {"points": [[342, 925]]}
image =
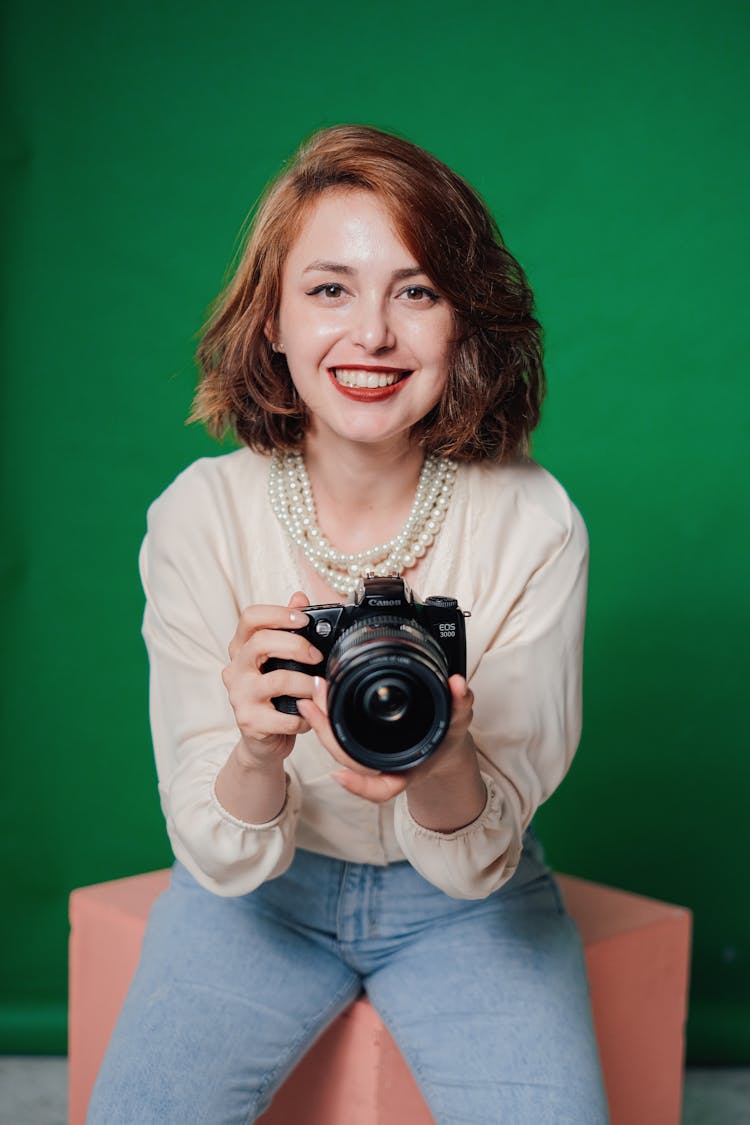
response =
{"points": [[269, 331]]}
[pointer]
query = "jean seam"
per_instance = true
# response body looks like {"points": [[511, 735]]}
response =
{"points": [[318, 1019], [340, 903], [561, 908], [414, 1065]]}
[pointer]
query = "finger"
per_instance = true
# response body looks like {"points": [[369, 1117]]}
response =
{"points": [[320, 693], [462, 696], [320, 724], [282, 681], [256, 617], [459, 687], [378, 789], [254, 694], [260, 724], [298, 600], [278, 643]]}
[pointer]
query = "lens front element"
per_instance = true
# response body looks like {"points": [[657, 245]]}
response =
{"points": [[387, 700]]}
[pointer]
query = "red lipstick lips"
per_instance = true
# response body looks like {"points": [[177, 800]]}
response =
{"points": [[369, 394]]}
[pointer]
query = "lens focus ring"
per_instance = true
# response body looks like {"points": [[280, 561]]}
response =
{"points": [[378, 630]]}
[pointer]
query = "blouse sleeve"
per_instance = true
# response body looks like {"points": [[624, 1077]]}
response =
{"points": [[527, 723], [190, 616]]}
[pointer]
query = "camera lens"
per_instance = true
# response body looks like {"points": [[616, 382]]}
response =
{"points": [[388, 696], [386, 701]]}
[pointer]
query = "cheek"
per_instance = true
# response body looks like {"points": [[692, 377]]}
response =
{"points": [[439, 362], [432, 340], [308, 333]]}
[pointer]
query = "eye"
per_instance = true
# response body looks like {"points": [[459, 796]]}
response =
{"points": [[330, 289], [420, 295]]}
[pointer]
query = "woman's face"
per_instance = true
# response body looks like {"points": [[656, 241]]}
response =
{"points": [[366, 335]]}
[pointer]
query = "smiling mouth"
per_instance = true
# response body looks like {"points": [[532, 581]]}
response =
{"points": [[366, 380]]}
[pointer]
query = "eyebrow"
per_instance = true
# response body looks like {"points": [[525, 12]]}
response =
{"points": [[339, 267]]}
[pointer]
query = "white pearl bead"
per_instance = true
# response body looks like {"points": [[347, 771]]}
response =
{"points": [[292, 502]]}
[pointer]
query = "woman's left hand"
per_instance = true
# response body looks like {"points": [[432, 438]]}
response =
{"points": [[375, 785]]}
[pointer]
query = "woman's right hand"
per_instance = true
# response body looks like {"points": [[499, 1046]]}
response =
{"points": [[268, 735]]}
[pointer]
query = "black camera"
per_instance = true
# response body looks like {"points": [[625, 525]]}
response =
{"points": [[387, 659]]}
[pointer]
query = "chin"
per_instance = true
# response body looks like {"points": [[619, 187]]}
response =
{"points": [[361, 431]]}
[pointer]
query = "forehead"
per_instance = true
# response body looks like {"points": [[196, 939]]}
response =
{"points": [[349, 226]]}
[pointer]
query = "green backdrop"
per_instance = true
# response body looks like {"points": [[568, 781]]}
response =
{"points": [[136, 137]]}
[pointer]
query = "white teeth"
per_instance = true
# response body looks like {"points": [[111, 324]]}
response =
{"points": [[353, 377]]}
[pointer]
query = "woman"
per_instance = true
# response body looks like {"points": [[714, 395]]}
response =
{"points": [[377, 356]]}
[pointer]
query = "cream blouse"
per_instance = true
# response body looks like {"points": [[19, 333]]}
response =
{"points": [[513, 550]]}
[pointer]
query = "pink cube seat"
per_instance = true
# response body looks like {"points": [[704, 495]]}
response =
{"points": [[637, 955]]}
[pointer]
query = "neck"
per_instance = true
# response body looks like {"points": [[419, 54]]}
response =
{"points": [[361, 482], [370, 512]]}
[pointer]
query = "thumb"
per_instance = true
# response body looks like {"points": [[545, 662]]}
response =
{"points": [[298, 600]]}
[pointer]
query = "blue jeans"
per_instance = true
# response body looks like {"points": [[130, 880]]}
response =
{"points": [[488, 1000]]}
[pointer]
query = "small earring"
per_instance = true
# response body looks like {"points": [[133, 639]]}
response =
{"points": [[276, 347]]}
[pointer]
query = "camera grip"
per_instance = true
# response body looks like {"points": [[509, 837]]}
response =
{"points": [[287, 703]]}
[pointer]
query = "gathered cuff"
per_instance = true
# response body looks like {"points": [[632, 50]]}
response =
{"points": [[471, 862], [227, 855], [491, 811], [235, 820]]}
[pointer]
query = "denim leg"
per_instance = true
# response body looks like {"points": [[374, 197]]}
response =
{"points": [[227, 998], [491, 1010]]}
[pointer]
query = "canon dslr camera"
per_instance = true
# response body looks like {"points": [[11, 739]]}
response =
{"points": [[387, 659]]}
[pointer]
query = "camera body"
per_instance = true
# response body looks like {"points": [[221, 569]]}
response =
{"points": [[387, 658]]}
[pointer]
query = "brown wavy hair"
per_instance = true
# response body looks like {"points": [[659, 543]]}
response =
{"points": [[496, 376]]}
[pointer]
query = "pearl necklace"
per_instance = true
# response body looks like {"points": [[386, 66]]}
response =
{"points": [[292, 502]]}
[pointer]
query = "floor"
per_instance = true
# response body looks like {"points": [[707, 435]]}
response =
{"points": [[33, 1092]]}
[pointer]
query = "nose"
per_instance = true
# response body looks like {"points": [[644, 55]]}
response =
{"points": [[371, 327]]}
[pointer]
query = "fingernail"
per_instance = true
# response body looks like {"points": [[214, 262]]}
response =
{"points": [[297, 618], [317, 681], [317, 656]]}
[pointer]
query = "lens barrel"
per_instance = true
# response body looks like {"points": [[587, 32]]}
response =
{"points": [[388, 697]]}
